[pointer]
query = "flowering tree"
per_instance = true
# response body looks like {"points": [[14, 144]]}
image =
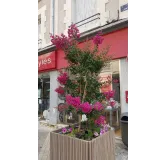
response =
{"points": [[82, 92]]}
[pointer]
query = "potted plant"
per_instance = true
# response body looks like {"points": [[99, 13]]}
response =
{"points": [[92, 139]]}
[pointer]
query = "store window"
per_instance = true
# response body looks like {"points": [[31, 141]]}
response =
{"points": [[111, 71], [43, 93]]}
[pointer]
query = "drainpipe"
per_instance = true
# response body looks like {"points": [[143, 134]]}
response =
{"points": [[53, 16]]}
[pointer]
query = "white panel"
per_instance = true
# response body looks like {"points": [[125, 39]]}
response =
{"points": [[123, 84], [41, 12], [113, 10], [53, 114]]}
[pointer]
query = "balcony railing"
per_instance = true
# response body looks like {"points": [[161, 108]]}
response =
{"points": [[89, 23]]}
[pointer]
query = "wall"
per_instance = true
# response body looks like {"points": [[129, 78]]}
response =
{"points": [[53, 114], [123, 14], [123, 84], [45, 12], [117, 40]]}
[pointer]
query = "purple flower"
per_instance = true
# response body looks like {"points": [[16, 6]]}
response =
{"points": [[70, 129], [96, 134], [102, 132], [64, 130]]}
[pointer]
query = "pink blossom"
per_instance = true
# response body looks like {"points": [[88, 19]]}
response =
{"points": [[73, 32], [73, 101], [98, 39], [60, 90], [106, 127], [98, 106], [64, 130], [86, 107], [112, 103], [70, 129], [96, 134], [102, 132], [109, 94], [61, 42], [62, 79], [100, 120]]}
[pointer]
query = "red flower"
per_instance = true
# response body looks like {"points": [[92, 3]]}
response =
{"points": [[100, 120], [86, 107], [60, 90], [73, 101], [109, 94], [112, 103], [98, 39], [62, 79], [73, 32]]}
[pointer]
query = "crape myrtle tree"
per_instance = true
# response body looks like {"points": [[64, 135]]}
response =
{"points": [[82, 93]]}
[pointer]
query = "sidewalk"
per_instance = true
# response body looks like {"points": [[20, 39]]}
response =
{"points": [[121, 151]]}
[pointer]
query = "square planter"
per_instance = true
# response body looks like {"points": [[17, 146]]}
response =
{"points": [[63, 147]]}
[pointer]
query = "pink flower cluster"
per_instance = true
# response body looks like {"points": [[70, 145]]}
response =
{"points": [[98, 39], [112, 103], [98, 106], [104, 129], [60, 90], [73, 101], [100, 120], [86, 107], [73, 32], [109, 94], [61, 42], [62, 79]]}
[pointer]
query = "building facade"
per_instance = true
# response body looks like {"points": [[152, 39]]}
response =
{"points": [[90, 16]]}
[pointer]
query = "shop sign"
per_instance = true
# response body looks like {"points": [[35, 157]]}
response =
{"points": [[46, 61], [107, 86], [124, 7]]}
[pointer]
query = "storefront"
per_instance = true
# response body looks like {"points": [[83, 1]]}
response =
{"points": [[47, 75], [50, 62]]}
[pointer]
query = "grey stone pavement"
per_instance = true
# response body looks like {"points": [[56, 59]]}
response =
{"points": [[121, 150]]}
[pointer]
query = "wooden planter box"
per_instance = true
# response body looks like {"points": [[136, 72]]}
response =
{"points": [[63, 147]]}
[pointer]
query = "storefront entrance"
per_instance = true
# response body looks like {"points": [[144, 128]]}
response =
{"points": [[43, 93]]}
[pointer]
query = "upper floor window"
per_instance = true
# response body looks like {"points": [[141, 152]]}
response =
{"points": [[84, 14]]}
